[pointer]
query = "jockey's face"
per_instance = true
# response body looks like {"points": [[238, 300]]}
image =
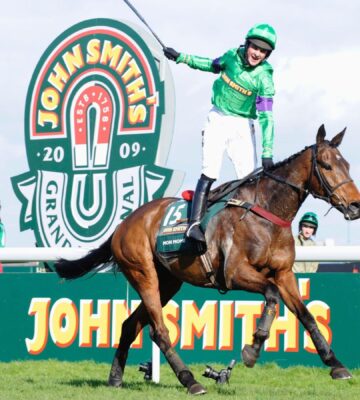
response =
{"points": [[255, 55], [307, 231]]}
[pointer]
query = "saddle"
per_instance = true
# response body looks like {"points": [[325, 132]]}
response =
{"points": [[171, 239]]}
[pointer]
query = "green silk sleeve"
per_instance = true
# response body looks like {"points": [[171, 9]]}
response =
{"points": [[195, 62], [266, 122], [265, 116]]}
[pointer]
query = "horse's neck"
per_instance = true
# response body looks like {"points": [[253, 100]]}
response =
{"points": [[283, 199]]}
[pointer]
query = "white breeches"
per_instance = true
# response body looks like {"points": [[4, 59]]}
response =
{"points": [[236, 135]]}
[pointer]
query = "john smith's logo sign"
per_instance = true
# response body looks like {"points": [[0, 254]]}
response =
{"points": [[95, 130]]}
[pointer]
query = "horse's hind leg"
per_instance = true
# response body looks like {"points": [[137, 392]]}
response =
{"points": [[290, 294], [130, 329], [160, 334], [250, 354], [150, 311]]}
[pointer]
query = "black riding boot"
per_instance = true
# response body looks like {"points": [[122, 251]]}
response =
{"points": [[198, 209]]}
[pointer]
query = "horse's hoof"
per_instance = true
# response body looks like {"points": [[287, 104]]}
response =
{"points": [[196, 388], [249, 356], [114, 382], [340, 373]]}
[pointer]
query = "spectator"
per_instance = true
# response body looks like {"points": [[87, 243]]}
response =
{"points": [[308, 226]]}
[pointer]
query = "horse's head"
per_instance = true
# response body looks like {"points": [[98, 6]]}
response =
{"points": [[330, 178]]}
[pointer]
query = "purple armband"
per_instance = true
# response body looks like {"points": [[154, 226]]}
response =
{"points": [[264, 103], [216, 65]]}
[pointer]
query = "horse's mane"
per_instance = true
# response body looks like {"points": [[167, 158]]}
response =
{"points": [[289, 159], [227, 187]]}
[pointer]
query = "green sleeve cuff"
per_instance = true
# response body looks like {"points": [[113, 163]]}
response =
{"points": [[181, 58]]}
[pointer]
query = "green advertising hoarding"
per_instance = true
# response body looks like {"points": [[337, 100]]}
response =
{"points": [[43, 317]]}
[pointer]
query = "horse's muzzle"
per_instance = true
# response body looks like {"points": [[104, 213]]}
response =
{"points": [[352, 212]]}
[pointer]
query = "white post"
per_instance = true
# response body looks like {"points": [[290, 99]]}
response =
{"points": [[155, 363]]}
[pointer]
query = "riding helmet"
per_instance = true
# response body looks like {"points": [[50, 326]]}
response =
{"points": [[263, 36], [310, 219]]}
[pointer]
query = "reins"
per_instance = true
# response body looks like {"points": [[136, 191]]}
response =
{"points": [[298, 188], [231, 186], [221, 195], [330, 191]]}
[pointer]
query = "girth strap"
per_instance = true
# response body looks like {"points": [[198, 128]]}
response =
{"points": [[256, 209], [210, 274], [208, 270]]}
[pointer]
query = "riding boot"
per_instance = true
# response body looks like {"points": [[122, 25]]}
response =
{"points": [[198, 209]]}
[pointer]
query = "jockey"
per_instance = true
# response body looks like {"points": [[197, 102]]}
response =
{"points": [[243, 92]]}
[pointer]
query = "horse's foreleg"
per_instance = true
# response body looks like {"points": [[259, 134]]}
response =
{"points": [[247, 278], [290, 294], [250, 354]]}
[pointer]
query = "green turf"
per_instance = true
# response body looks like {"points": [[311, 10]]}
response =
{"points": [[55, 380]]}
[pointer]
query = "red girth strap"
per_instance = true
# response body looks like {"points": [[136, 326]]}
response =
{"points": [[260, 211]]}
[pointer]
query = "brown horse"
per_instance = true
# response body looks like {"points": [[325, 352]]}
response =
{"points": [[247, 252]]}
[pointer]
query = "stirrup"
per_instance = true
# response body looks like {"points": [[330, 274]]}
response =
{"points": [[194, 232]]}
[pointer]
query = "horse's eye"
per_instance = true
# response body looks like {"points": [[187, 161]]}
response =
{"points": [[325, 165]]}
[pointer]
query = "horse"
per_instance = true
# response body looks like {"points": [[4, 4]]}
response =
{"points": [[246, 251]]}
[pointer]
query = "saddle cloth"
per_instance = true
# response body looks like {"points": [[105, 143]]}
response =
{"points": [[171, 239]]}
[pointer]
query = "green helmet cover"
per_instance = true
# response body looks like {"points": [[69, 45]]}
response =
{"points": [[263, 32], [310, 218]]}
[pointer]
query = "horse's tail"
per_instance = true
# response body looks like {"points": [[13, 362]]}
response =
{"points": [[72, 269]]}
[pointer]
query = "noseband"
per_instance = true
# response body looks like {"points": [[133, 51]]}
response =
{"points": [[315, 171]]}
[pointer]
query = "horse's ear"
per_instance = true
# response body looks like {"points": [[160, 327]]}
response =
{"points": [[336, 140], [320, 135]]}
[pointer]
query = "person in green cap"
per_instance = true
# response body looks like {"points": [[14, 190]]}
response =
{"points": [[242, 93], [308, 226]]}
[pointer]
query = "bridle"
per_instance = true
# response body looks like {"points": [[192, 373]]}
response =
{"points": [[315, 171]]}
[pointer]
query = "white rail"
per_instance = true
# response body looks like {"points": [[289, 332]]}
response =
{"points": [[30, 254], [328, 253]]}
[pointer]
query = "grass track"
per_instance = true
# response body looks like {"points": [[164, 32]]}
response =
{"points": [[87, 380]]}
